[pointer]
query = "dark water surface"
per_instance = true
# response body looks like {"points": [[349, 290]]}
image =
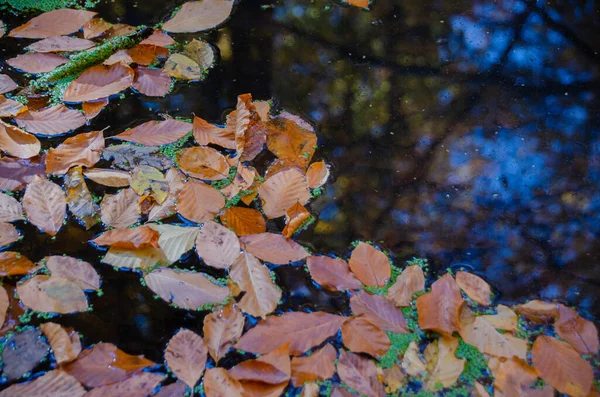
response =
{"points": [[466, 132]]}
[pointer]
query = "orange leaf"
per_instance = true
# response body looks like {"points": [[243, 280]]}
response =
{"points": [[302, 330], [475, 287], [198, 16], [146, 54], [93, 108], [95, 27], [8, 234], [56, 383], [538, 311], [486, 339], [243, 179], [332, 273], [152, 82], [218, 383], [17, 142], [222, 329], [65, 345], [49, 294], [282, 190], [45, 205], [54, 120], [199, 202], [361, 336], [10, 209], [155, 133], [439, 309], [319, 366], [273, 368], [295, 216], [505, 319], [186, 355], [139, 258], [99, 82], [107, 177], [79, 272], [141, 384], [358, 3], [273, 248], [53, 23], [82, 149], [317, 174], [290, 142], [250, 133], [370, 265], [579, 332], [36, 63], [360, 374], [217, 246], [408, 283], [514, 378], [60, 44], [14, 264], [177, 389], [206, 133], [243, 221], [137, 237], [203, 163], [7, 84], [121, 209], [561, 366], [378, 310]]}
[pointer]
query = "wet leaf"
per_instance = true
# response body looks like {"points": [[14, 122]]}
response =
{"points": [[580, 333], [56, 120], [168, 207], [515, 377], [282, 190], [241, 182], [370, 265], [95, 27], [561, 366], [16, 173], [273, 248], [53, 23], [8, 234], [120, 57], [291, 142], [60, 44], [79, 199], [332, 273], [14, 264], [339, 391], [65, 345], [273, 368], [10, 209], [181, 67], [149, 180], [302, 330], [380, 311], [137, 237], [505, 319], [36, 62], [486, 339], [127, 156], [412, 363], [139, 385], [184, 289], [45, 205], [174, 241], [360, 374], [392, 378], [361, 336], [196, 16], [446, 368], [9, 107], [7, 84], [250, 133], [538, 311], [82, 149], [103, 364], [439, 309], [243, 221], [50, 294], [317, 174], [203, 163], [177, 389], [222, 329], [75, 270], [56, 383], [22, 352], [99, 82], [152, 82], [4, 305], [475, 287], [199, 202], [206, 133], [92, 109], [158, 38], [17, 142], [200, 52], [107, 177], [147, 54], [262, 295], [295, 216], [121, 209], [319, 366], [139, 258], [218, 383], [186, 355], [408, 283], [155, 132], [217, 246]]}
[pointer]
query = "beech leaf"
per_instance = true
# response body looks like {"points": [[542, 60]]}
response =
{"points": [[152, 82], [45, 205], [282, 190], [222, 329], [361, 336], [360, 374], [370, 265], [60, 44], [154, 133], [217, 246], [332, 273], [121, 209], [174, 241], [186, 355], [65, 345], [141, 384], [82, 149], [17, 142], [35, 63], [273, 248], [203, 163], [49, 294], [408, 283], [475, 287], [10, 209], [79, 272], [196, 16], [317, 174], [54, 120], [14, 264], [439, 309], [56, 383], [380, 311], [199, 202], [243, 221], [53, 23], [99, 82], [319, 366], [579, 332]]}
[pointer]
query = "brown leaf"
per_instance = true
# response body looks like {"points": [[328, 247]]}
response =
{"points": [[139, 258], [222, 329], [198, 16], [152, 82], [515, 377], [60, 44], [16, 173], [243, 221], [56, 383], [65, 345], [53, 23], [392, 378], [295, 216], [262, 295], [439, 309], [339, 391], [370, 265], [184, 289], [273, 248], [446, 368], [412, 363], [49, 294], [14, 264], [360, 374], [361, 336], [17, 142], [79, 199], [408, 283], [199, 202], [99, 82], [332, 273], [273, 368], [217, 246], [206, 133], [200, 52], [10, 209], [302, 330], [75, 270], [139, 385], [291, 142], [203, 163], [561, 366], [107, 177], [9, 107], [579, 332], [152, 133], [243, 179], [186, 355], [4, 305], [95, 27], [282, 190], [317, 174], [121, 209], [7, 84], [158, 38], [120, 57], [54, 120], [380, 311], [319, 366], [93, 108], [475, 287], [358, 3], [138, 237], [147, 180], [45, 205], [146, 54], [82, 149], [218, 383], [36, 62], [181, 67], [538, 311], [486, 339], [177, 389], [250, 133], [8, 234], [505, 319]]}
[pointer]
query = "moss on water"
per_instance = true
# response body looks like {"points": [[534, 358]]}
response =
{"points": [[475, 366], [45, 5], [398, 345]]}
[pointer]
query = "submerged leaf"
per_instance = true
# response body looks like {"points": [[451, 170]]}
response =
{"points": [[196, 16], [50, 294], [22, 352]]}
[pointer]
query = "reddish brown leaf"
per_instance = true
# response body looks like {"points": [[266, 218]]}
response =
{"points": [[206, 133], [159, 38], [250, 133], [561, 366], [45, 205], [9, 107], [16, 173], [295, 216], [203, 163], [56, 383], [198, 16], [538, 311], [95, 27], [282, 190], [120, 57], [107, 177], [7, 84], [186, 355], [439, 309], [8, 234], [273, 368], [99, 82], [273, 248], [515, 378], [93, 108], [152, 82], [370, 265], [37, 62], [332, 273], [49, 294], [54, 120], [317, 174], [319, 366], [360, 374], [222, 329], [218, 383], [146, 54], [139, 385], [14, 264], [83, 149], [361, 336], [121, 209], [60, 44], [138, 237], [199, 202], [155, 133], [53, 23], [65, 344], [243, 179], [243, 221], [302, 330], [291, 142], [475, 287], [579, 332], [217, 246], [75, 270], [380, 311], [17, 142], [408, 283]]}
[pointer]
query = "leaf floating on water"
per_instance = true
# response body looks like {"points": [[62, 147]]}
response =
{"points": [[10, 209], [475, 287], [8, 234], [360, 374], [203, 163], [243, 221], [174, 241], [445, 367], [408, 283], [439, 309], [139, 258], [380, 311], [295, 217], [9, 107], [99, 82], [60, 44], [579, 332], [222, 329], [149, 180], [516, 378], [75, 270], [36, 63], [273, 248], [200, 52], [505, 319], [181, 67], [317, 174], [5, 304], [358, 3], [186, 290], [53, 23], [92, 109], [250, 132], [218, 383], [121, 209], [49, 294], [56, 383], [266, 373], [54, 120], [319, 366], [80, 150], [199, 202], [108, 177], [186, 356], [197, 16], [17, 142], [177, 389], [361, 336], [95, 27], [45, 205], [302, 330], [79, 199], [332, 273], [158, 38], [370, 265], [65, 344], [22, 352], [152, 82], [7, 84], [217, 246], [131, 238], [282, 190], [486, 339], [156, 132], [291, 142], [141, 384], [146, 54], [205, 133], [14, 264], [538, 311]]}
